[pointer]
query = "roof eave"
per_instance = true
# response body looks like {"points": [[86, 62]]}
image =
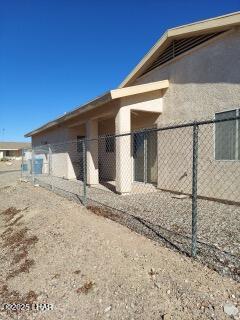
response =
{"points": [[77, 111], [220, 22], [98, 102]]}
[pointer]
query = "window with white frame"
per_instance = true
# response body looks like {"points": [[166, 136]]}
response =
{"points": [[227, 136]]}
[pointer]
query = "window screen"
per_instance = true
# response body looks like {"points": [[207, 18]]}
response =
{"points": [[227, 135], [110, 144]]}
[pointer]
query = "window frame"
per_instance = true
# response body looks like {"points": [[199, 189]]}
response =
{"points": [[237, 112]]}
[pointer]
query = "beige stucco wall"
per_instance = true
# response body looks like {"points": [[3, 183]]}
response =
{"points": [[64, 136], [201, 83], [66, 159]]}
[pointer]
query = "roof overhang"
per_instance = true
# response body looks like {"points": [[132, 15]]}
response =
{"points": [[214, 24], [101, 100], [142, 88]]}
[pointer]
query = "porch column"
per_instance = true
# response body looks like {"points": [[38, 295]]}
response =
{"points": [[92, 152], [123, 151]]}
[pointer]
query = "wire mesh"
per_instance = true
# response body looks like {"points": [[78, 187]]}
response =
{"points": [[175, 187]]}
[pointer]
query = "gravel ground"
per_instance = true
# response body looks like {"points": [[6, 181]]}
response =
{"points": [[164, 218], [55, 251], [9, 172]]}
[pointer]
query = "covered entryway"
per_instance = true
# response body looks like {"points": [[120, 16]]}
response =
{"points": [[113, 153]]}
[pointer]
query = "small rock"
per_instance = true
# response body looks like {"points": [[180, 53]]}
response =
{"points": [[180, 196], [166, 316], [109, 308], [157, 285], [230, 309], [152, 272], [168, 292]]}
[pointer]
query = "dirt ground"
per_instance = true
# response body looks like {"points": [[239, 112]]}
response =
{"points": [[162, 217], [10, 171], [11, 165], [88, 267]]}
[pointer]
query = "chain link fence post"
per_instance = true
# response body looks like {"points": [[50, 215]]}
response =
{"points": [[33, 164], [50, 165], [22, 154], [84, 172], [194, 190]]}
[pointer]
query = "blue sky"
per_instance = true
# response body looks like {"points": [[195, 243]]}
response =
{"points": [[57, 54]]}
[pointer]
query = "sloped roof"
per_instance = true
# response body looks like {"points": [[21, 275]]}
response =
{"points": [[200, 27], [10, 145], [94, 103], [101, 100]]}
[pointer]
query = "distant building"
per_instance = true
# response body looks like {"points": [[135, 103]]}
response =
{"points": [[12, 150]]}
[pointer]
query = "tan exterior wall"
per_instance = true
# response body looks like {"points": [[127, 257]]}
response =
{"points": [[202, 83], [66, 158]]}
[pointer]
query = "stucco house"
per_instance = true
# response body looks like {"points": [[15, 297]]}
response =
{"points": [[191, 73], [12, 150]]}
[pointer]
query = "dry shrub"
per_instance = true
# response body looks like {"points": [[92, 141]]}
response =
{"points": [[20, 256], [103, 212], [28, 263], [6, 232], [14, 239], [19, 243], [31, 297], [85, 288], [14, 297], [15, 221], [10, 213]]}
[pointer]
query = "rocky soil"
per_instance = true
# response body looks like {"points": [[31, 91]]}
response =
{"points": [[162, 217], [86, 266]]}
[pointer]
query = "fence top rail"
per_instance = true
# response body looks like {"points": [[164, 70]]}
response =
{"points": [[163, 128]]}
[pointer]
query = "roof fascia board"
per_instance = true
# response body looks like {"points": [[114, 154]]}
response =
{"points": [[204, 25], [138, 89]]}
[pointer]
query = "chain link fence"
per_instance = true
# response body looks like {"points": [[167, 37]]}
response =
{"points": [[178, 185]]}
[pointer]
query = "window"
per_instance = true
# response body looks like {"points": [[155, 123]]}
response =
{"points": [[80, 143], [227, 136], [110, 144]]}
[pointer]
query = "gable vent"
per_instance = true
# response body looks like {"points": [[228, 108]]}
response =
{"points": [[178, 47]]}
